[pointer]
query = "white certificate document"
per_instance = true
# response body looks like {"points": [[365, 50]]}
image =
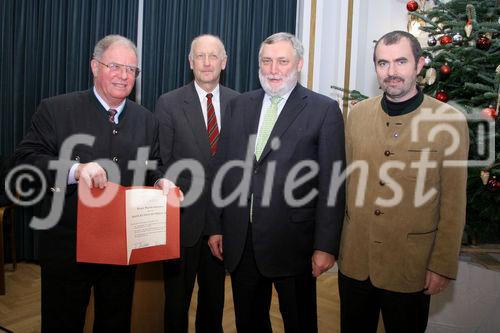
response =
{"points": [[146, 215]]}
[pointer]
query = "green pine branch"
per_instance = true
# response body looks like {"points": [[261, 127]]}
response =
{"points": [[351, 94]]}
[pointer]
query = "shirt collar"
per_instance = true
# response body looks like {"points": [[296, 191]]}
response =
{"points": [[118, 109], [203, 94], [284, 97]]}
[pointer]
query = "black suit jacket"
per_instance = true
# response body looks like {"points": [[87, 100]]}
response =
{"points": [[183, 137], [60, 117], [310, 128]]}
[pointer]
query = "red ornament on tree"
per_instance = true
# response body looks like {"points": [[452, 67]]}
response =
{"points": [[445, 39], [445, 69], [442, 96], [493, 184], [483, 43], [489, 113], [412, 6]]}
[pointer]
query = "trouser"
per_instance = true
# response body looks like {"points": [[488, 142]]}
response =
{"points": [[361, 303], [252, 293], [196, 262], [66, 291]]}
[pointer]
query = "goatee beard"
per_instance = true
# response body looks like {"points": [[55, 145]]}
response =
{"points": [[289, 82]]}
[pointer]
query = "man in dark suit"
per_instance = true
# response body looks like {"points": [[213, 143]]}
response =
{"points": [[119, 127], [284, 227], [190, 118]]}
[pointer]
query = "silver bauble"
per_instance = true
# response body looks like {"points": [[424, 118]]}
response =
{"points": [[431, 41], [458, 39]]}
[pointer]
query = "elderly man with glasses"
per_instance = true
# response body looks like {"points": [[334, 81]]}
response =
{"points": [[119, 127]]}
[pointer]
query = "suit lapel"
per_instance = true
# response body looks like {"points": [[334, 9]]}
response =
{"points": [[194, 115], [294, 105], [224, 102], [252, 113]]}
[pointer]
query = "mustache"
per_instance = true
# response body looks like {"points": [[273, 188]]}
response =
{"points": [[393, 77], [274, 77]]}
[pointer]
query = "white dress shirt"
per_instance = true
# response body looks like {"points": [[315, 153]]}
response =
{"points": [[202, 95]]}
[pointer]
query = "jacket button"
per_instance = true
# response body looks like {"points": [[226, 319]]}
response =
{"points": [[377, 212], [382, 183], [115, 132], [387, 153], [115, 159]]}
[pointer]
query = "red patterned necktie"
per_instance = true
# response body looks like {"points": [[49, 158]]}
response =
{"points": [[212, 128], [112, 113]]}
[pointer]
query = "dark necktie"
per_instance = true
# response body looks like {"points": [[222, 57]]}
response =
{"points": [[212, 128], [112, 113]]}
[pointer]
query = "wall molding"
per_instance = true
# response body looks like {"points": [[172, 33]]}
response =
{"points": [[347, 64], [312, 39]]}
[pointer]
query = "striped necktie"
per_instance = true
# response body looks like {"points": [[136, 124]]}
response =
{"points": [[111, 115], [212, 128]]}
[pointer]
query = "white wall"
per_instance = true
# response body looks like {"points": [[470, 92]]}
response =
{"points": [[470, 304], [330, 39], [371, 19]]}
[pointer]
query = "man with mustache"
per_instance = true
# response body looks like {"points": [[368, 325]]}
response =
{"points": [[400, 244], [282, 230]]}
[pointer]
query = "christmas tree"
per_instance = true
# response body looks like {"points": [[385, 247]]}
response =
{"points": [[463, 67]]}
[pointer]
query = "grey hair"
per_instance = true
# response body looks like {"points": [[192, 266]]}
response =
{"points": [[284, 36], [109, 40], [197, 38]]}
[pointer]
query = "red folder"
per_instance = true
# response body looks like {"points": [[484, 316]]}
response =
{"points": [[101, 231]]}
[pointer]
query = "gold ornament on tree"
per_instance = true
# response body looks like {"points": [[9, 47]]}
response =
{"points": [[485, 176], [489, 178], [430, 76], [471, 16]]}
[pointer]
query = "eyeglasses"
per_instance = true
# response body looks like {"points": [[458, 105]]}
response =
{"points": [[118, 68]]}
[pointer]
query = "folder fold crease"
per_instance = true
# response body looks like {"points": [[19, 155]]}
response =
{"points": [[101, 231]]}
